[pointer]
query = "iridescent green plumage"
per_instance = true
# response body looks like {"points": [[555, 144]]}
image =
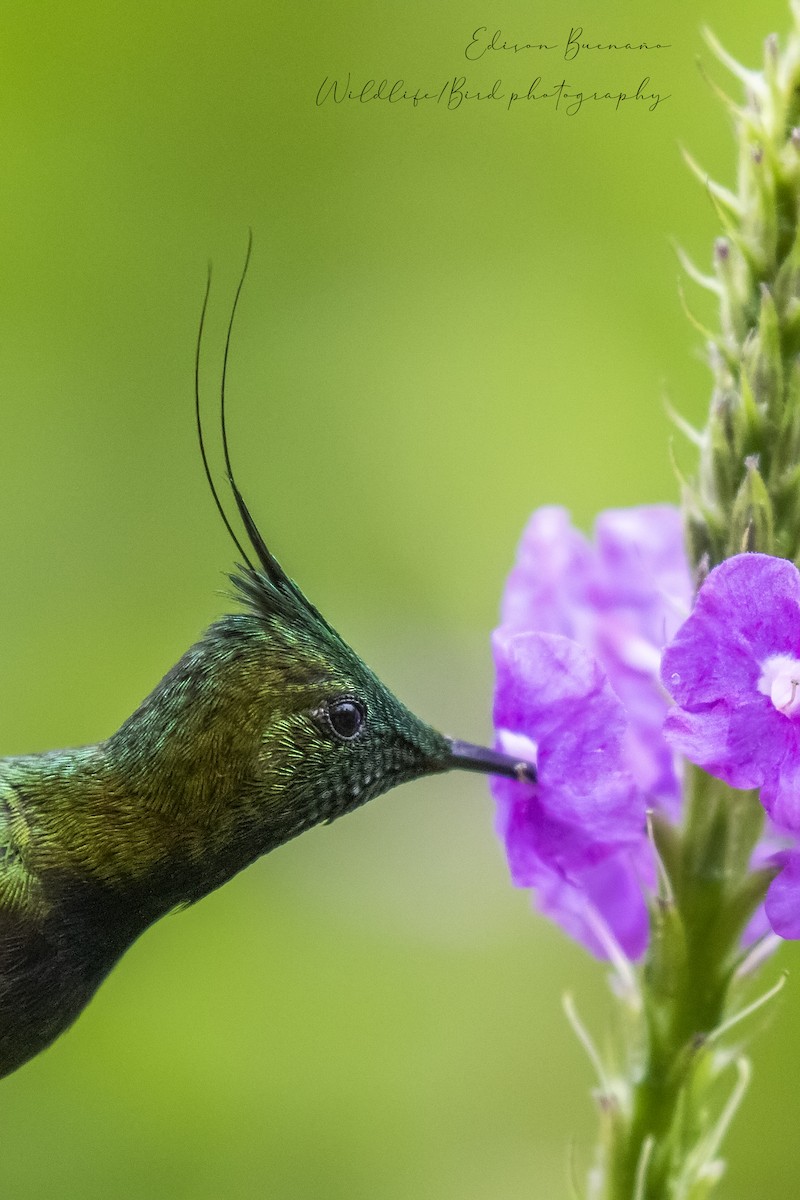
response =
{"points": [[268, 725]]}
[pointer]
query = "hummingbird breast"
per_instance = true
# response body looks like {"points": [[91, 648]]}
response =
{"points": [[51, 964]]}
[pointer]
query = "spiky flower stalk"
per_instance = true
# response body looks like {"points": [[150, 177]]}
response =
{"points": [[747, 494], [673, 1099]]}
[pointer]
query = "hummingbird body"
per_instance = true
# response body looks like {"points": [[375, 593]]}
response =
{"points": [[209, 773], [268, 725]]}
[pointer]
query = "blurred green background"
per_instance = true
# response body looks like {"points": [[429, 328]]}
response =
{"points": [[451, 318]]}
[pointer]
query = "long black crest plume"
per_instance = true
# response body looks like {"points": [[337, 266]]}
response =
{"points": [[247, 583], [268, 561], [272, 567], [200, 437]]}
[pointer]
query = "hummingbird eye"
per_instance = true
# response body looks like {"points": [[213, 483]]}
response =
{"points": [[346, 718]]}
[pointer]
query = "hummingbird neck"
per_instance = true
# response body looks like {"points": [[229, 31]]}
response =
{"points": [[191, 760], [174, 803]]}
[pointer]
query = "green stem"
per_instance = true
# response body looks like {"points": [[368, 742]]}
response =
{"points": [[695, 947]]}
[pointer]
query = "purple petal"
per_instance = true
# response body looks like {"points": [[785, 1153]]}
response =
{"points": [[783, 897], [533, 838], [707, 739], [541, 680], [643, 562], [780, 794], [650, 759], [747, 610], [546, 589], [770, 850], [609, 893], [554, 692], [756, 928]]}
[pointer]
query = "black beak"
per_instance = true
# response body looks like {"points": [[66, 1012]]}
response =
{"points": [[466, 757]]}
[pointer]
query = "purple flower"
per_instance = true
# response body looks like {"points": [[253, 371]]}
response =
{"points": [[734, 672], [592, 712], [577, 836], [580, 684], [621, 598]]}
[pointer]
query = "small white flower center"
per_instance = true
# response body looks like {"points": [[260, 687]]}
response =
{"points": [[780, 680]]}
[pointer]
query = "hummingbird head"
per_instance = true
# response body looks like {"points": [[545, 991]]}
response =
{"points": [[330, 735]]}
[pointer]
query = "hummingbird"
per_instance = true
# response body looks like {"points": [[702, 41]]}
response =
{"points": [[268, 725]]}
